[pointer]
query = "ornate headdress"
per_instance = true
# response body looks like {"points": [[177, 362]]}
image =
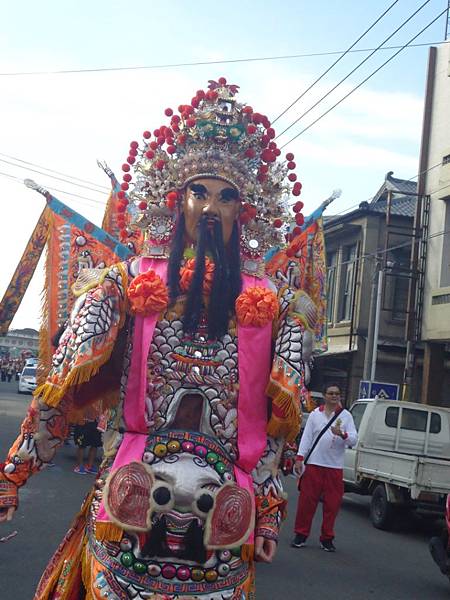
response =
{"points": [[213, 136]]}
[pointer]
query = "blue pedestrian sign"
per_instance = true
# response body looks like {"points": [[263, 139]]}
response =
{"points": [[379, 389]]}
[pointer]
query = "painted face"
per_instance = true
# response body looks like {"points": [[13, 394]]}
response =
{"points": [[216, 199]]}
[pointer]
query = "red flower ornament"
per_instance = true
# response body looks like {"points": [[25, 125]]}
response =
{"points": [[147, 294], [256, 307], [187, 273]]}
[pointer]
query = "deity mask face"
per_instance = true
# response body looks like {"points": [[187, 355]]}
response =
{"points": [[213, 198]]}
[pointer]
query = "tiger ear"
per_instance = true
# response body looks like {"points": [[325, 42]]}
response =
{"points": [[127, 496], [231, 520]]}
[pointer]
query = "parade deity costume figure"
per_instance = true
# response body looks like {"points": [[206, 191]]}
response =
{"points": [[201, 359]]}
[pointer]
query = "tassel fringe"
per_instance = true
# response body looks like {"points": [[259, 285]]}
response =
{"points": [[107, 531], [285, 419]]}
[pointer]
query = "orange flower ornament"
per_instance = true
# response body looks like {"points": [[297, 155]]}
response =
{"points": [[187, 273], [147, 294], [256, 307]]}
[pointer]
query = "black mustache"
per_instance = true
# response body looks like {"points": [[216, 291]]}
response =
{"points": [[156, 543]]}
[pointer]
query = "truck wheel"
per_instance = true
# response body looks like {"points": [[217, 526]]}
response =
{"points": [[382, 513]]}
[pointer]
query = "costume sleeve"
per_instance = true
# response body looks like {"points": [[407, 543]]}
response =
{"points": [[70, 390], [271, 500]]}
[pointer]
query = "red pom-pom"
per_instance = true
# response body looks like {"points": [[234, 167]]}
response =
{"points": [[266, 123], [296, 231], [200, 94], [195, 102], [175, 128], [125, 167], [121, 207], [181, 108], [261, 177], [133, 152], [277, 223], [265, 140], [150, 154], [127, 177], [268, 156], [160, 164], [298, 206], [291, 165], [247, 110], [251, 128], [181, 139], [214, 95], [121, 195], [157, 133], [222, 80], [169, 140], [252, 211], [292, 177], [153, 145], [134, 145], [272, 145], [131, 160], [146, 134], [171, 149], [271, 133], [168, 112], [263, 169], [250, 153], [171, 200], [299, 219], [124, 186], [257, 118], [160, 140], [277, 151], [190, 122], [142, 205], [296, 192], [175, 119], [289, 156]]}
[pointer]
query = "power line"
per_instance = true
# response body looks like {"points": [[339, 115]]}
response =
{"points": [[353, 70], [207, 62], [20, 180], [8, 162], [25, 162], [364, 80], [335, 62]]}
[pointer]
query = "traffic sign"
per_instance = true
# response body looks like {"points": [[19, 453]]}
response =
{"points": [[379, 389]]}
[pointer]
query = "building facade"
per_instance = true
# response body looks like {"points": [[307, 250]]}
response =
{"points": [[19, 342], [435, 180], [376, 236]]}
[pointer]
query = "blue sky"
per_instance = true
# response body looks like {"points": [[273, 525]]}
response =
{"points": [[66, 121]]}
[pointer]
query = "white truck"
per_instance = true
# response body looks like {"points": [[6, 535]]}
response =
{"points": [[402, 458]]}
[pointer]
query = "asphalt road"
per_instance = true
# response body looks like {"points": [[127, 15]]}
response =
{"points": [[369, 564]]}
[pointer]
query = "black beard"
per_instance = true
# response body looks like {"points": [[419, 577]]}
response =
{"points": [[226, 284]]}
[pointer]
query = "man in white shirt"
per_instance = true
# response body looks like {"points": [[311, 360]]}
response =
{"points": [[321, 477]]}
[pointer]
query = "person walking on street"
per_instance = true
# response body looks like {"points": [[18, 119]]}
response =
{"points": [[87, 436], [319, 464]]}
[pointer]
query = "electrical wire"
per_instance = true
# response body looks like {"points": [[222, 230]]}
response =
{"points": [[335, 63], [207, 62], [25, 162], [20, 180], [353, 70], [364, 80], [8, 162]]}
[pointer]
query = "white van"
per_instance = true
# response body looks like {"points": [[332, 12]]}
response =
{"points": [[402, 458]]}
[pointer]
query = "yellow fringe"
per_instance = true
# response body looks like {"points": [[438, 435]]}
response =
{"points": [[287, 426], [52, 394], [248, 552], [106, 531]]}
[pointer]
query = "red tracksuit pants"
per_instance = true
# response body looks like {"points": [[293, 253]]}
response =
{"points": [[319, 483]]}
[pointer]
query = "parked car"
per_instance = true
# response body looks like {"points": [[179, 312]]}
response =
{"points": [[27, 380], [401, 459]]}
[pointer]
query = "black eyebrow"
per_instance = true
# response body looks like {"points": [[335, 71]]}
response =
{"points": [[198, 188], [229, 194]]}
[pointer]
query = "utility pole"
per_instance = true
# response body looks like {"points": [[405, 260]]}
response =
{"points": [[368, 358], [447, 22]]}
